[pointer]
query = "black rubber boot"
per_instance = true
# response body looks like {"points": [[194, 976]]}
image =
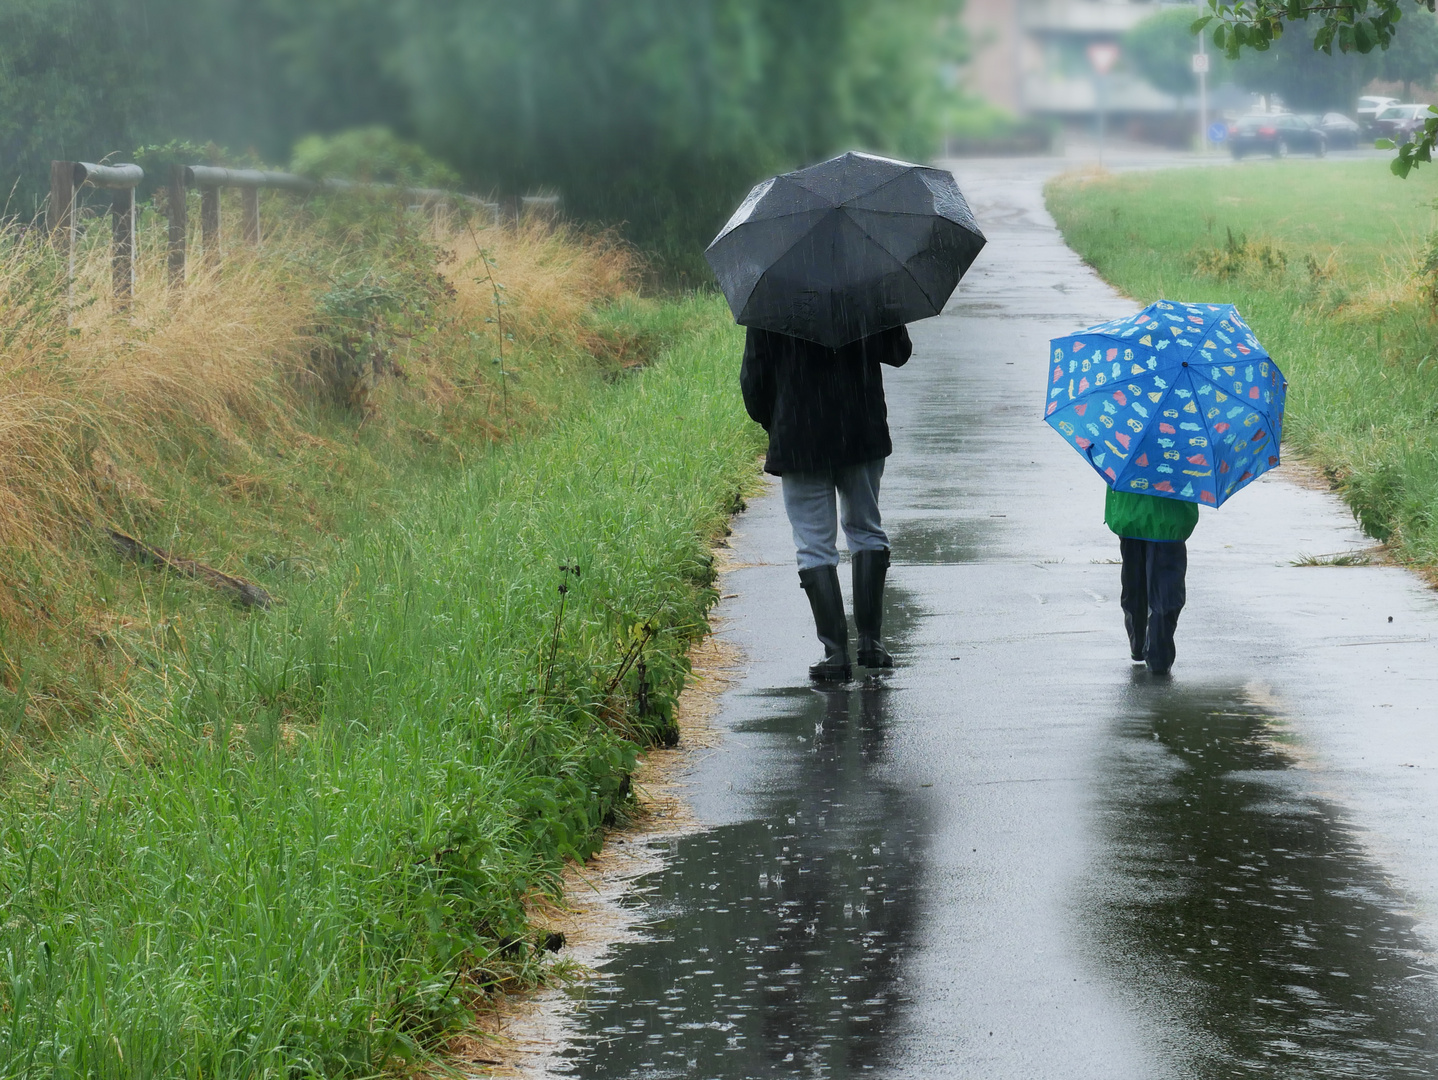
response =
{"points": [[870, 568], [1167, 567], [821, 583], [1134, 597]]}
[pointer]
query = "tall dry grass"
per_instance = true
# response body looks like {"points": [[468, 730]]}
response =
{"points": [[110, 414], [86, 384], [549, 276]]}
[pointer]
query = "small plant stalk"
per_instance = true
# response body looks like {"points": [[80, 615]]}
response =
{"points": [[641, 694], [558, 623]]}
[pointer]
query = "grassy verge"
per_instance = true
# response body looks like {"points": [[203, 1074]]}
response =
{"points": [[255, 420], [302, 841], [1326, 262], [309, 849]]}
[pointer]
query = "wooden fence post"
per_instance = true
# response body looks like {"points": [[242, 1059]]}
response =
{"points": [[60, 214], [122, 247], [210, 223], [251, 198], [179, 224]]}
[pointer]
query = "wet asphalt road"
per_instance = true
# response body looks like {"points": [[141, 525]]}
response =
{"points": [[1019, 855]]}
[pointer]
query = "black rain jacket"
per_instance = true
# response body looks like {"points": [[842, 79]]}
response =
{"points": [[823, 408]]}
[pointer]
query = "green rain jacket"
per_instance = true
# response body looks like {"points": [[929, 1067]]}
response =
{"points": [[1149, 517]]}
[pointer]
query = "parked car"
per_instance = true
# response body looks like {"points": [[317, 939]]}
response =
{"points": [[1399, 122], [1369, 106], [1339, 130], [1275, 134]]}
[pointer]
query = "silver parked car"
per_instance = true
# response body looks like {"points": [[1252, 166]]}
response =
{"points": [[1399, 122], [1369, 106]]}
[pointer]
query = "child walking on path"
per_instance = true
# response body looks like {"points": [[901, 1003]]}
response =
{"points": [[1151, 532]]}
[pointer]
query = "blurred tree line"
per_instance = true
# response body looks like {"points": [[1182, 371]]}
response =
{"points": [[1307, 80], [655, 113]]}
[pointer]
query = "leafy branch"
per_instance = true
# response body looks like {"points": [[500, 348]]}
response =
{"points": [[1352, 25]]}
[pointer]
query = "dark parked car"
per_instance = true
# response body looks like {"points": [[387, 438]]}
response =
{"points": [[1399, 122], [1339, 130], [1275, 134]]}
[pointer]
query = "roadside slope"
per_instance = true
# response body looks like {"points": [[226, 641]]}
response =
{"points": [[307, 848]]}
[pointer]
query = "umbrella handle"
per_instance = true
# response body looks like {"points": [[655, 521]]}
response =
{"points": [[1089, 454]]}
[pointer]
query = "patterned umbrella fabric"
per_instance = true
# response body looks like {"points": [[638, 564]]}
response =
{"points": [[1179, 401]]}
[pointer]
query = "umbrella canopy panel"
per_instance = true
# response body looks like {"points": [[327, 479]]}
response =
{"points": [[1179, 401], [845, 248]]}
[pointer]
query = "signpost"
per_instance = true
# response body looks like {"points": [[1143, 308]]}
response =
{"points": [[1200, 68], [1102, 56]]}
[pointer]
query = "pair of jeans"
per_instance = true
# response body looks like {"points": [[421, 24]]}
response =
{"points": [[809, 500], [1153, 595]]}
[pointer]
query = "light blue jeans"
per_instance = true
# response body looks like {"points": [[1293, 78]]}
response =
{"points": [[809, 502]]}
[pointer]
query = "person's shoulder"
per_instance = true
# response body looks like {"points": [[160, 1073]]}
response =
{"points": [[775, 341], [767, 344]]}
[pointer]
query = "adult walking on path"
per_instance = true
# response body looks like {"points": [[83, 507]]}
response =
{"points": [[825, 266], [828, 430]]}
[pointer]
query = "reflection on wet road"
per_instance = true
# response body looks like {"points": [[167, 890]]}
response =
{"points": [[1014, 858], [776, 943], [1233, 887]]}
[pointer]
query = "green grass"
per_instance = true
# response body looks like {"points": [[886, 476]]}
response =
{"points": [[305, 848], [1324, 260]]}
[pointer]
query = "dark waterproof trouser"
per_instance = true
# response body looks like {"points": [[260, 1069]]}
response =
{"points": [[1153, 595]]}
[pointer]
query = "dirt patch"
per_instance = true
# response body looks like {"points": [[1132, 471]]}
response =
{"points": [[522, 1036], [1298, 471]]}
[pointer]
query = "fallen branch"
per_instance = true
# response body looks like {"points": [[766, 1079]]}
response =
{"points": [[245, 592]]}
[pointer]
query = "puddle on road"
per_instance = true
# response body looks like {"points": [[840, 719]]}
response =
{"points": [[1237, 901], [775, 944], [941, 542]]}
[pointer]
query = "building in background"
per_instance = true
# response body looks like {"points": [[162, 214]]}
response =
{"points": [[1031, 58]]}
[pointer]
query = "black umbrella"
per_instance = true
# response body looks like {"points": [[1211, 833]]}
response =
{"points": [[845, 248]]}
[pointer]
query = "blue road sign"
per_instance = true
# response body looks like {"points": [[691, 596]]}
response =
{"points": [[1217, 132]]}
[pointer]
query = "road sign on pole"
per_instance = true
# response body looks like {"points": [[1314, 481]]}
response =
{"points": [[1217, 132], [1200, 69], [1102, 55]]}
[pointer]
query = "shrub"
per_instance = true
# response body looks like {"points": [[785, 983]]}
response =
{"points": [[1241, 256]]}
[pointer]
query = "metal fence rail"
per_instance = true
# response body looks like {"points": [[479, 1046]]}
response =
{"points": [[69, 178]]}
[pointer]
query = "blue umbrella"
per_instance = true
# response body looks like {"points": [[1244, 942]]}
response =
{"points": [[1179, 400]]}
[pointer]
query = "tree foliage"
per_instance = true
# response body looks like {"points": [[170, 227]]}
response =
{"points": [[1351, 26], [1412, 56], [655, 113], [1303, 77], [1161, 48], [662, 114]]}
